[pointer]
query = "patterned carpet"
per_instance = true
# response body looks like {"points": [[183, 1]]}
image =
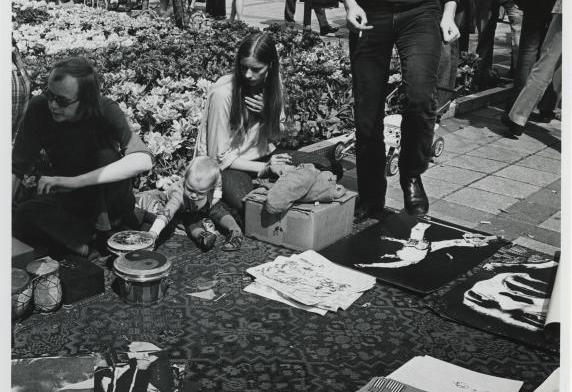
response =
{"points": [[243, 342]]}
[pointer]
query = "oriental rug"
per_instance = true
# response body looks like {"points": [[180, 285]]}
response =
{"points": [[243, 342]]}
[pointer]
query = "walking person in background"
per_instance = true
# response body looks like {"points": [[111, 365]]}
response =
{"points": [[541, 74], [413, 26], [535, 21], [319, 9], [237, 9], [487, 14]]}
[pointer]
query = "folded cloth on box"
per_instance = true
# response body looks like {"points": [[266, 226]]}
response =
{"points": [[303, 183]]}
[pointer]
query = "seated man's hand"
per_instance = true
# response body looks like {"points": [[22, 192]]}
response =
{"points": [[47, 184]]}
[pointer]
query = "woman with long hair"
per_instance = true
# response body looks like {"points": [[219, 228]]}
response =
{"points": [[244, 114]]}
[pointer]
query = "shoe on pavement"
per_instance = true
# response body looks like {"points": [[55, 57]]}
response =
{"points": [[414, 196], [514, 128]]}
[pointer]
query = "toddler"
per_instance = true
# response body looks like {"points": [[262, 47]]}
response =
{"points": [[194, 200]]}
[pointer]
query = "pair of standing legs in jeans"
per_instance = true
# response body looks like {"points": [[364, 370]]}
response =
{"points": [[535, 22], [416, 33], [541, 74], [487, 14], [290, 10]]}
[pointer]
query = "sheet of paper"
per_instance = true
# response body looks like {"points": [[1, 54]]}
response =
{"points": [[433, 375], [270, 293], [551, 384], [312, 279], [553, 313]]}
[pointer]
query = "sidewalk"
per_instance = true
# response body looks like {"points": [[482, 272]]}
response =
{"points": [[483, 180]]}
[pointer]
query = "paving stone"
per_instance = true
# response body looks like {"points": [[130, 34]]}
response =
{"points": [[547, 197], [438, 188], [505, 186], [553, 223], [541, 163], [458, 214], [480, 135], [479, 164], [550, 152], [511, 230], [524, 143], [528, 242], [454, 175], [555, 185], [481, 200], [528, 175], [454, 143], [529, 212], [498, 153], [446, 156]]}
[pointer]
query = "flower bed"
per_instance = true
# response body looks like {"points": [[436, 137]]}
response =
{"points": [[160, 74]]}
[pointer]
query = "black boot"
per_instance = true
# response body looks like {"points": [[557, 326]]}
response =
{"points": [[414, 196]]}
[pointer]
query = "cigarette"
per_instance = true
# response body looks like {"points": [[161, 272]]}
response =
{"points": [[360, 34]]}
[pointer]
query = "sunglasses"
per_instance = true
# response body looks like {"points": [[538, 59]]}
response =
{"points": [[62, 102]]}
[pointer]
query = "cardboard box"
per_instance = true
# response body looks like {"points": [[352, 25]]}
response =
{"points": [[22, 254], [303, 226]]}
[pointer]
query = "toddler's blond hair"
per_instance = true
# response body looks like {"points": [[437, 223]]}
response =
{"points": [[203, 169]]}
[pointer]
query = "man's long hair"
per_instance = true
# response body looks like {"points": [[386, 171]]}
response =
{"points": [[262, 47], [89, 93]]}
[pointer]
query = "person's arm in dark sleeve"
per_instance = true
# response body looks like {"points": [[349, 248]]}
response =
{"points": [[136, 160]]}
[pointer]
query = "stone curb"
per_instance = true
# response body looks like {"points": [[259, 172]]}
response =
{"points": [[484, 98]]}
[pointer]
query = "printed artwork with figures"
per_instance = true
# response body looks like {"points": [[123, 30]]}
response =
{"points": [[509, 295], [303, 277], [310, 278], [416, 247], [418, 254]]}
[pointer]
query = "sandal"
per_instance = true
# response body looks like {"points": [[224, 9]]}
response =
{"points": [[206, 240], [234, 241]]}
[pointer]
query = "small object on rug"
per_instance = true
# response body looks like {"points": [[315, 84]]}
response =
{"points": [[206, 294]]}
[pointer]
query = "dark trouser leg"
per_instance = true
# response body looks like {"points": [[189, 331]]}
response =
{"points": [[289, 10], [487, 15], [236, 184], [44, 221], [222, 218], [418, 42], [541, 73], [515, 20], [370, 56], [115, 202]]}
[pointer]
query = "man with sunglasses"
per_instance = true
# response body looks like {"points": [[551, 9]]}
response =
{"points": [[93, 156]]}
